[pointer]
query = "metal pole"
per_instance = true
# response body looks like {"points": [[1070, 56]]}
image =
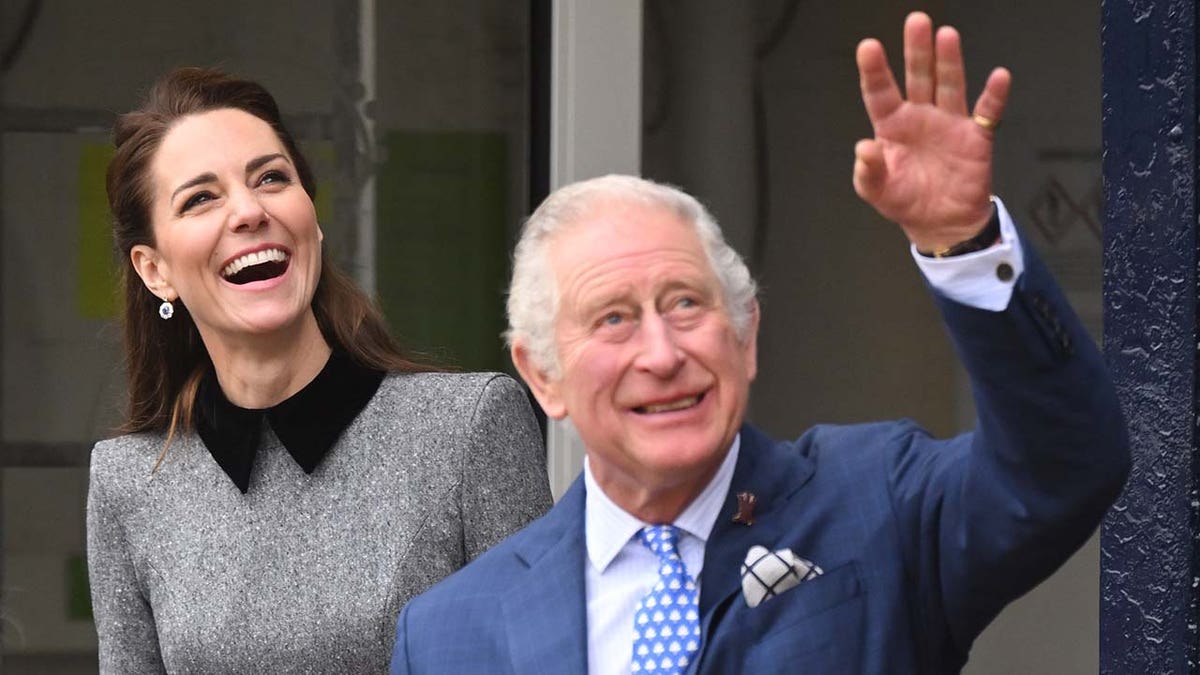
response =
{"points": [[366, 194], [347, 132], [3, 549]]}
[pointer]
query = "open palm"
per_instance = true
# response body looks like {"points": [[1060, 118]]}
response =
{"points": [[929, 166]]}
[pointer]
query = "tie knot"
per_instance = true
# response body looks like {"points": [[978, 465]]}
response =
{"points": [[662, 539]]}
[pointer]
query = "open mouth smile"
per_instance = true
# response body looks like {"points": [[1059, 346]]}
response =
{"points": [[670, 406], [257, 266]]}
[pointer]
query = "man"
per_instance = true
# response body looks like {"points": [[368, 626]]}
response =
{"points": [[882, 549]]}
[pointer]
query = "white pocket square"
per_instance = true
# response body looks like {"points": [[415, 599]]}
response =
{"points": [[766, 574]]}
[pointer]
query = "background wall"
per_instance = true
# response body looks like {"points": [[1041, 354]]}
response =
{"points": [[1048, 171], [848, 332], [451, 106]]}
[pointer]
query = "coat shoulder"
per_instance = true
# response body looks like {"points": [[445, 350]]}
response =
{"points": [[125, 458], [444, 395], [453, 386], [491, 576], [851, 441]]}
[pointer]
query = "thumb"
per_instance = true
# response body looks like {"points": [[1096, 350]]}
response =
{"points": [[870, 170]]}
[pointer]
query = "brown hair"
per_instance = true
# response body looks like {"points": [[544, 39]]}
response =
{"points": [[166, 359]]}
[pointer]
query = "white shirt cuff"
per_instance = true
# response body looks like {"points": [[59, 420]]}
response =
{"points": [[983, 279]]}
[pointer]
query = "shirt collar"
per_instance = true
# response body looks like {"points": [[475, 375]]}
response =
{"points": [[607, 527], [307, 423]]}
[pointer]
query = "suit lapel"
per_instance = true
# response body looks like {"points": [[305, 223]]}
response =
{"points": [[774, 476], [546, 612]]}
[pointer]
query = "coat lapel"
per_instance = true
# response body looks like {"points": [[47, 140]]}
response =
{"points": [[545, 612], [774, 475]]}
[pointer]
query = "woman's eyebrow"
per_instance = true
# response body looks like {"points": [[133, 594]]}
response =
{"points": [[209, 177], [198, 180], [259, 162]]}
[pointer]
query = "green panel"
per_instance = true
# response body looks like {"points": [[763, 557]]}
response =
{"points": [[95, 270], [442, 245], [79, 595]]}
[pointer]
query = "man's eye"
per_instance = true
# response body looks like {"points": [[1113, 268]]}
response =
{"points": [[613, 319], [196, 200]]}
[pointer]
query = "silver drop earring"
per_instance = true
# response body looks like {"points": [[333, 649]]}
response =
{"points": [[166, 310]]}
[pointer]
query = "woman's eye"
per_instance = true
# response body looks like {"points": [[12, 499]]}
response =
{"points": [[196, 200], [274, 176]]}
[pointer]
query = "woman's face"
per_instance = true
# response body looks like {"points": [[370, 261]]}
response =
{"points": [[236, 236]]}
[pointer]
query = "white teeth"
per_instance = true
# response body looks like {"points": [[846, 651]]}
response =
{"points": [[674, 405], [256, 258]]}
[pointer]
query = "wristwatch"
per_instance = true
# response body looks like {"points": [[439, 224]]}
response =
{"points": [[988, 236]]}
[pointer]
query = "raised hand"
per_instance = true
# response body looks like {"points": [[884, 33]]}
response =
{"points": [[929, 167]]}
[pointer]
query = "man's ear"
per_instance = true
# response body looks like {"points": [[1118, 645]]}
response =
{"points": [[750, 343], [153, 271], [546, 389]]}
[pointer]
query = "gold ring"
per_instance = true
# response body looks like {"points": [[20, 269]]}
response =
{"points": [[986, 122]]}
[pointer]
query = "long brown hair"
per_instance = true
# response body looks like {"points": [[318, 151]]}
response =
{"points": [[166, 359]]}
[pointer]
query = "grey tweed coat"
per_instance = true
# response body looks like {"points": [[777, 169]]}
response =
{"points": [[305, 573]]}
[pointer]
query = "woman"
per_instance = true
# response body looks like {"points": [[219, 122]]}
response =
{"points": [[288, 479]]}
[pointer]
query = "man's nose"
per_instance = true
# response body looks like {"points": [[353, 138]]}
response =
{"points": [[660, 353]]}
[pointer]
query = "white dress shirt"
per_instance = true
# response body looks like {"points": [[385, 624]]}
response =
{"points": [[620, 570], [973, 278]]}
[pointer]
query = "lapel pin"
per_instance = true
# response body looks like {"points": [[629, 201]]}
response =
{"points": [[745, 512]]}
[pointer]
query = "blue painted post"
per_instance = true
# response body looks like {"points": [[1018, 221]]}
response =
{"points": [[1148, 621]]}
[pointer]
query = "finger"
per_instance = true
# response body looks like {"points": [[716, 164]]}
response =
{"points": [[880, 94], [994, 97], [918, 57], [870, 169], [951, 94]]}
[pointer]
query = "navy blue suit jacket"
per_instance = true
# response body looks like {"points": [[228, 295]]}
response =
{"points": [[923, 541]]}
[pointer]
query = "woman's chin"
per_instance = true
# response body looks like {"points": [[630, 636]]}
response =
{"points": [[277, 322]]}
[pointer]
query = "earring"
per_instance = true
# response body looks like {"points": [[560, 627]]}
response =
{"points": [[166, 310]]}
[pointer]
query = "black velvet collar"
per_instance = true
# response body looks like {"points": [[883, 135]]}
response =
{"points": [[308, 423]]}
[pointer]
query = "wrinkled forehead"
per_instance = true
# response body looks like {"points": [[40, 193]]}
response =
{"points": [[627, 243]]}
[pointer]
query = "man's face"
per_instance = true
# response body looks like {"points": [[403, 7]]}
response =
{"points": [[652, 373]]}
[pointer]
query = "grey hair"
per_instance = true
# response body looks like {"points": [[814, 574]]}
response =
{"points": [[533, 296]]}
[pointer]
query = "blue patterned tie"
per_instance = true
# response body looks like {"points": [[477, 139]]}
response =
{"points": [[666, 624]]}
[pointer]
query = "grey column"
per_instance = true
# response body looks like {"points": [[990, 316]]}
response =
{"points": [[595, 123]]}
